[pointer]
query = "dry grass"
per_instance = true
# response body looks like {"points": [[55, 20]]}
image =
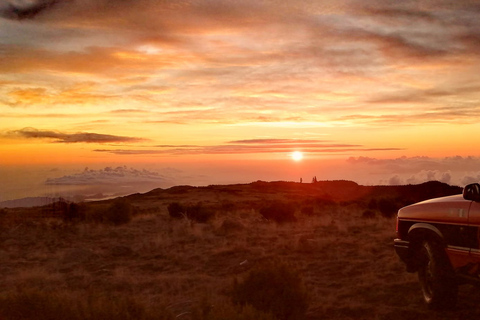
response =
{"points": [[156, 267]]}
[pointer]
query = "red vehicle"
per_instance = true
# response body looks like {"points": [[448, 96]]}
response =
{"points": [[440, 239]]}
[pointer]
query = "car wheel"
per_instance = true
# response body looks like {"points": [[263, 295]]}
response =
{"points": [[436, 277]]}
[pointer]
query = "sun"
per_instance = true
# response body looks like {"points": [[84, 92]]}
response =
{"points": [[297, 155]]}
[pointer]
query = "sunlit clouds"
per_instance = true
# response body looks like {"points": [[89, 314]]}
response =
{"points": [[81, 137], [103, 81]]}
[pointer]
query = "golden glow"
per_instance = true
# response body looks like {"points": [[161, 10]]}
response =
{"points": [[297, 155]]}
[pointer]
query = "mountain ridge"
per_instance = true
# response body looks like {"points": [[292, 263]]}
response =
{"points": [[332, 190]]}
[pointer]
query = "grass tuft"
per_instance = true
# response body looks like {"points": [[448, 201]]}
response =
{"points": [[279, 212], [120, 212], [273, 288], [42, 305]]}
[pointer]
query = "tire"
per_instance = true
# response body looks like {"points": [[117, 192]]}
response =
{"points": [[436, 276]]}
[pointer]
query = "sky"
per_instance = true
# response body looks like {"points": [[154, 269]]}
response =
{"points": [[146, 93]]}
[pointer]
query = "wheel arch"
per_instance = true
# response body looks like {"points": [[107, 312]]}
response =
{"points": [[424, 231], [417, 234]]}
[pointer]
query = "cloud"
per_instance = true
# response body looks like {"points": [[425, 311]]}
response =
{"points": [[471, 178], [412, 170], [273, 141], [115, 181], [307, 34], [24, 9], [85, 93], [333, 64], [244, 33], [406, 115], [109, 176], [96, 60], [253, 146], [395, 181], [81, 137]]}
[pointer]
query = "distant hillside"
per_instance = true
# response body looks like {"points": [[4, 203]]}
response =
{"points": [[27, 202], [337, 190], [257, 193]]}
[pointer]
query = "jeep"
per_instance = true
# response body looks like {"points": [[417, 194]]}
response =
{"points": [[440, 239]]}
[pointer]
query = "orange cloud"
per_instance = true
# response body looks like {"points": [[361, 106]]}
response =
{"points": [[81, 137], [253, 146]]}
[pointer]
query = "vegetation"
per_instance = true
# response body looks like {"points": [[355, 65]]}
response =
{"points": [[278, 211], [176, 210], [153, 266], [119, 212], [388, 207], [39, 305], [368, 214], [74, 213], [273, 288], [195, 212], [308, 210]]}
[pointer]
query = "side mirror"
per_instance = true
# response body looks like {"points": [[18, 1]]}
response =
{"points": [[472, 192]]}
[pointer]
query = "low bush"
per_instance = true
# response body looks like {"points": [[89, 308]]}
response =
{"points": [[200, 213], [195, 212], [119, 212], [205, 310], [372, 204], [325, 202], [279, 212], [388, 207], [74, 213], [307, 210], [47, 305], [368, 214], [59, 208], [176, 210], [228, 206], [275, 289]]}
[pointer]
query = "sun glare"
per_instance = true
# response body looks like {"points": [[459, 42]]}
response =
{"points": [[297, 155]]}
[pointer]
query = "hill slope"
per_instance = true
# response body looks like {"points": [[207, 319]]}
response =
{"points": [[257, 193], [156, 267]]}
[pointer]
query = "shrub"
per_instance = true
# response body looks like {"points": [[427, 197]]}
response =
{"points": [[372, 204], [176, 210], [368, 214], [51, 305], [120, 212], [307, 210], [74, 213], [275, 289], [60, 208], [325, 202], [387, 207], [205, 310], [196, 212], [199, 213], [228, 206], [279, 212]]}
